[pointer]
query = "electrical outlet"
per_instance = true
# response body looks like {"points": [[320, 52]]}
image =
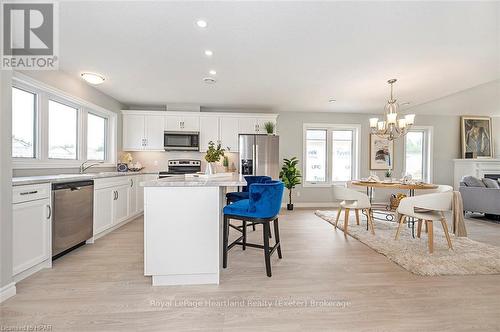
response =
{"points": [[298, 193]]}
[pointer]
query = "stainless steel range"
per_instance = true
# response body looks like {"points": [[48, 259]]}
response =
{"points": [[180, 167]]}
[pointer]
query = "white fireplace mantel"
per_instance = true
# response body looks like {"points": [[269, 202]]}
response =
{"points": [[474, 167]]}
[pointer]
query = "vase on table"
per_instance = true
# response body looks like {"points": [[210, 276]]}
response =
{"points": [[210, 169]]}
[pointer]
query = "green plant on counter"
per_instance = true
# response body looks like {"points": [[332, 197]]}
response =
{"points": [[388, 173], [225, 162], [290, 175], [269, 127], [214, 152]]}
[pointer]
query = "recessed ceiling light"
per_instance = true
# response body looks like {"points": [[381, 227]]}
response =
{"points": [[201, 23], [209, 53], [93, 78], [212, 72], [209, 80], [332, 100]]}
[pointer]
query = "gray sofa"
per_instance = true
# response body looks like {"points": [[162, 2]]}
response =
{"points": [[481, 195]]}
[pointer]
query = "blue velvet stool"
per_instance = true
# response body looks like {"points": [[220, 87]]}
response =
{"points": [[261, 207]]}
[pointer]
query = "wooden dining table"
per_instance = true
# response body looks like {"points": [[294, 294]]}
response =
{"points": [[387, 212]]}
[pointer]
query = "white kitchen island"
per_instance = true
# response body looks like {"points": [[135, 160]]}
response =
{"points": [[183, 228]]}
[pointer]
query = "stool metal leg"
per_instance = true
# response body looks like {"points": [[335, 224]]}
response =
{"points": [[277, 237], [244, 235], [225, 236], [267, 230]]}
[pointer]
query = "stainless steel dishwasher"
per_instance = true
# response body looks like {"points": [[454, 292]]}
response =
{"points": [[73, 206]]}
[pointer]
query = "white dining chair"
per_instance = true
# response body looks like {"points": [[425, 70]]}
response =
{"points": [[426, 208], [351, 199]]}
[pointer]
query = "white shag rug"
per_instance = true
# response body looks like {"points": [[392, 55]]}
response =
{"points": [[467, 257]]}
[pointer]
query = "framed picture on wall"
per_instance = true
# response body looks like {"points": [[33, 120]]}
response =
{"points": [[381, 153], [476, 137]]}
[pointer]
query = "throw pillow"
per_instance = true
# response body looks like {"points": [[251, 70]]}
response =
{"points": [[472, 181], [491, 183]]}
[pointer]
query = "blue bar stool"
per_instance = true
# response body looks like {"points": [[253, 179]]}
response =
{"points": [[236, 196], [262, 207]]}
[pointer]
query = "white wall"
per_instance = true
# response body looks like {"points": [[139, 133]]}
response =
{"points": [[5, 179]]}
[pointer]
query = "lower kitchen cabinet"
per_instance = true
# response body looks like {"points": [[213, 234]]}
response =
{"points": [[103, 209], [120, 204], [32, 228]]}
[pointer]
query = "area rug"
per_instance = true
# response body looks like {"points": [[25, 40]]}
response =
{"points": [[468, 257]]}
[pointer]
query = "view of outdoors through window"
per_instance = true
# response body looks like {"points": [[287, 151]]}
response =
{"points": [[23, 123], [63, 121], [316, 155], [96, 137], [414, 158], [342, 155]]}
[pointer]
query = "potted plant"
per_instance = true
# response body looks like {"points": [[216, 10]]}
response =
{"points": [[214, 152], [269, 127], [290, 175], [225, 163], [388, 174]]}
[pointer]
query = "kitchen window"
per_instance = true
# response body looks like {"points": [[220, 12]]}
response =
{"points": [[417, 152], [330, 153], [96, 137], [63, 131], [24, 117]]}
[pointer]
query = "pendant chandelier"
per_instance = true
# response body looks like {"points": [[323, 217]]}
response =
{"points": [[392, 127]]}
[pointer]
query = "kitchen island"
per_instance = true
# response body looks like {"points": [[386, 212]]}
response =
{"points": [[183, 228]]}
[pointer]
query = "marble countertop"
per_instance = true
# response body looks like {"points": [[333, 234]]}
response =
{"points": [[229, 180], [25, 180]]}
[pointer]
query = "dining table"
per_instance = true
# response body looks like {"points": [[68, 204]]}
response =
{"points": [[385, 209]]}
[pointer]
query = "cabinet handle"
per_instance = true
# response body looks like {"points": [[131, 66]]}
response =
{"points": [[114, 195], [131, 183], [50, 211], [28, 192], [145, 142], [117, 194]]}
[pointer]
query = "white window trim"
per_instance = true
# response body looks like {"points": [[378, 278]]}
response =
{"points": [[329, 127], [428, 150], [44, 93]]}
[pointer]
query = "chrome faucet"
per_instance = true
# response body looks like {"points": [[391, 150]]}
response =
{"points": [[84, 167]]}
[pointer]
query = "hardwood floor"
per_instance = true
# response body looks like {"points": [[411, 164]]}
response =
{"points": [[101, 287]]}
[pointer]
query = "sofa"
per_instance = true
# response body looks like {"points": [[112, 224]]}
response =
{"points": [[481, 195]]}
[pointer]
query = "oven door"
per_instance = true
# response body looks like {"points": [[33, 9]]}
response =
{"points": [[181, 141]]}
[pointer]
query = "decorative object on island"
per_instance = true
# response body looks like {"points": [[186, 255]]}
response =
{"points": [[213, 155], [392, 127], [388, 174], [381, 153], [225, 163], [290, 175], [477, 141], [269, 127]]}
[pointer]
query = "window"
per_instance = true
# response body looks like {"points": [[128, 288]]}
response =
{"points": [[96, 137], [316, 155], [63, 123], [417, 154], [331, 153], [23, 123]]}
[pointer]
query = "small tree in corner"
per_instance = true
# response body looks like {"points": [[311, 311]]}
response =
{"points": [[290, 175]]}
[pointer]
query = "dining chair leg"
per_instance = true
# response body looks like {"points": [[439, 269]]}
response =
{"points": [[401, 221], [346, 221], [426, 229], [253, 227], [370, 221], [446, 233], [419, 228], [225, 232], [267, 255], [244, 235], [430, 229], [356, 211], [277, 237], [338, 216]]}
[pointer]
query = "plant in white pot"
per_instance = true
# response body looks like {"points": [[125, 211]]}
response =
{"points": [[269, 126], [214, 153]]}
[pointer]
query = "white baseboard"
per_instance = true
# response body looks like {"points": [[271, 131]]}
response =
{"points": [[313, 205], [7, 291], [112, 228]]}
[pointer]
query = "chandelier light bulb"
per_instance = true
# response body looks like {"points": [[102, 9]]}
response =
{"points": [[373, 122], [410, 119], [402, 123], [391, 118]]}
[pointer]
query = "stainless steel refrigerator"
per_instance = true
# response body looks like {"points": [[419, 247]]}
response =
{"points": [[259, 155]]}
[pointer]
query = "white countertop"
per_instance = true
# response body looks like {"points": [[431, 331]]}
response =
{"points": [[230, 180], [25, 180]]}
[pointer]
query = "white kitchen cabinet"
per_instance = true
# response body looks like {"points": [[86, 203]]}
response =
{"points": [[228, 130], [133, 132], [209, 131], [143, 132], [32, 228], [103, 209], [182, 123], [120, 204], [247, 125]]}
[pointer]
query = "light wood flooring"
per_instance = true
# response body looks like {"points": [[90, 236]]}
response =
{"points": [[101, 287]]}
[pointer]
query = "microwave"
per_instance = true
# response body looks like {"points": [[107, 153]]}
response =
{"points": [[181, 141]]}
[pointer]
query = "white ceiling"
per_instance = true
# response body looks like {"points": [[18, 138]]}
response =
{"points": [[288, 56]]}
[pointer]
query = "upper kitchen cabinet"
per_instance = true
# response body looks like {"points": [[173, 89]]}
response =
{"points": [[143, 131], [229, 132], [254, 125], [182, 123], [209, 131]]}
